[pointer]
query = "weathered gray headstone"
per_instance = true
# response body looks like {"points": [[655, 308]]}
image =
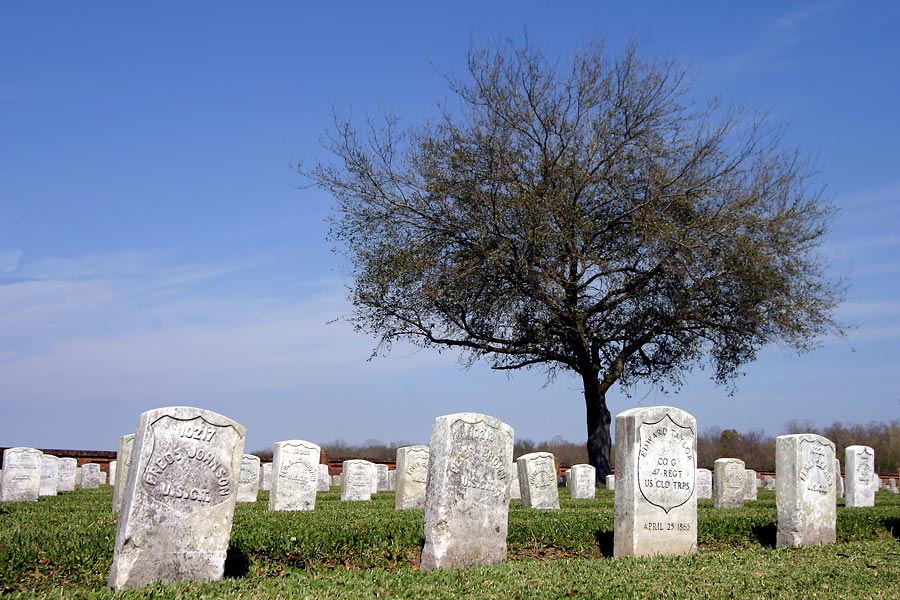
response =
{"points": [[323, 483], [728, 483], [21, 480], [392, 480], [611, 482], [467, 501], [750, 485], [248, 482], [584, 482], [79, 476], [178, 506], [412, 476], [265, 477], [381, 475], [123, 464], [537, 479], [356, 480], [704, 484], [49, 475], [90, 476], [656, 499], [805, 493], [862, 481], [838, 480], [295, 475], [515, 488], [66, 474]]}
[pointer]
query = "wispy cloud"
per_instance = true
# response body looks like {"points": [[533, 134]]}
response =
{"points": [[770, 45], [9, 260]]}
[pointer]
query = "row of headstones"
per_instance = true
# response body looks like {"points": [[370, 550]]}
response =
{"points": [[28, 474], [181, 487]]}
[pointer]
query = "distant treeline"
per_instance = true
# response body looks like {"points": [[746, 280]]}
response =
{"points": [[755, 448]]}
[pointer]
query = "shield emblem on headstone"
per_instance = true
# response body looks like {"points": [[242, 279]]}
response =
{"points": [[666, 465], [189, 467]]}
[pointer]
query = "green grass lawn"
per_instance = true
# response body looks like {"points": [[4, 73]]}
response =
{"points": [[61, 547]]}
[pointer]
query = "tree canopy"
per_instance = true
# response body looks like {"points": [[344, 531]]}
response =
{"points": [[582, 215]]}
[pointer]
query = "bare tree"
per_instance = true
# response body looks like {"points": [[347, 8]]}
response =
{"points": [[581, 216]]}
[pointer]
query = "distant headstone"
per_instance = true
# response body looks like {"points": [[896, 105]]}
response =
{"points": [[49, 475], [112, 472], [467, 501], [392, 480], [728, 483], [862, 481], [656, 499], [750, 485], [583, 482], [21, 480], [323, 483], [567, 479], [103, 478], [515, 488], [381, 472], [537, 479], [336, 480], [123, 458], [178, 506], [295, 475], [265, 477], [412, 477], [805, 493], [90, 476], [838, 480], [248, 482], [704, 484], [356, 480], [66, 474], [611, 482]]}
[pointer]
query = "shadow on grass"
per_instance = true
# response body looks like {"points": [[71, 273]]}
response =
{"points": [[605, 540], [766, 534], [892, 524], [236, 563]]}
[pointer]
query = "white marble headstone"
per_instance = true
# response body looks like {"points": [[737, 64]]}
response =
{"points": [[178, 506], [49, 475], [467, 500], [583, 482], [356, 480], [66, 474], [862, 481], [729, 482], [248, 482], [411, 475], [90, 476], [537, 480], [21, 481], [656, 466], [123, 464], [805, 490], [295, 475]]}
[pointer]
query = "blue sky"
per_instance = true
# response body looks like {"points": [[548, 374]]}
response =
{"points": [[156, 247]]}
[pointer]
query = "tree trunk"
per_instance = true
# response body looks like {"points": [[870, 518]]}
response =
{"points": [[599, 441]]}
